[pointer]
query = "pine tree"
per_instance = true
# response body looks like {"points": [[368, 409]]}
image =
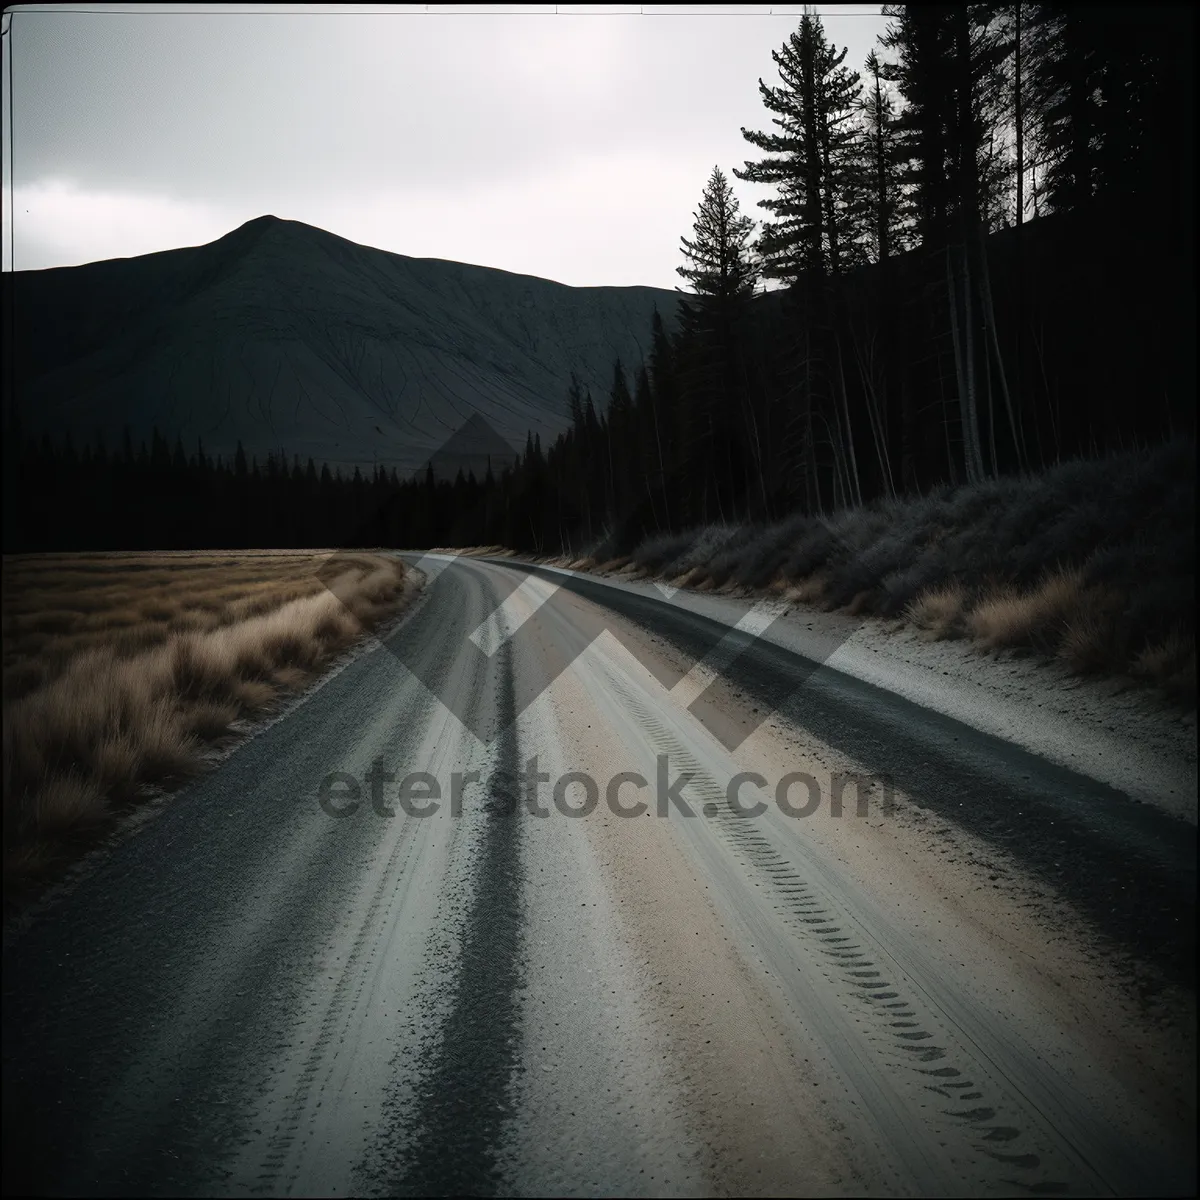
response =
{"points": [[812, 161], [949, 70], [950, 73], [1111, 90], [719, 265], [878, 163], [919, 37], [711, 377]]}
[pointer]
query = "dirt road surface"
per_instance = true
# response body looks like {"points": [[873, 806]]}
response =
{"points": [[981, 983]]}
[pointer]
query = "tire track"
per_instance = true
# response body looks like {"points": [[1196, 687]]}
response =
{"points": [[1127, 868], [992, 1142]]}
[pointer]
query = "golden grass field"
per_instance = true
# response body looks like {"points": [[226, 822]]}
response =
{"points": [[119, 668]]}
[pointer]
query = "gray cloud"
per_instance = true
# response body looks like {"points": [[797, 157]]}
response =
{"points": [[574, 146]]}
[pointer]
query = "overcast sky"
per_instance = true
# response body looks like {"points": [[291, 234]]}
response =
{"points": [[572, 145]]}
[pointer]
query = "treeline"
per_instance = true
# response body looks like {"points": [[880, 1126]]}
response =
{"points": [[928, 330], [158, 497], [979, 253], [983, 244]]}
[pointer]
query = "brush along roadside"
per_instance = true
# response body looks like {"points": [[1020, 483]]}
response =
{"points": [[1090, 563]]}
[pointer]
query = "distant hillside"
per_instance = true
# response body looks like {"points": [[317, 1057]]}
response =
{"points": [[288, 337]]}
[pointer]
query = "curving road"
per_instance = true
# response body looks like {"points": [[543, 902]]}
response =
{"points": [[271, 987]]}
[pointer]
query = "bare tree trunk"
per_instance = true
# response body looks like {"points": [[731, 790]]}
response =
{"points": [[969, 217], [964, 365], [851, 458], [755, 441], [812, 484], [833, 437], [991, 410], [813, 475], [1051, 401], [1014, 418], [971, 373], [875, 414], [653, 508]]}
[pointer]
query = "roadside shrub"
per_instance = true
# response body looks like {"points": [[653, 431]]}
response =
{"points": [[1035, 619], [865, 571], [760, 559], [906, 584], [1090, 560], [1158, 604], [1094, 639], [734, 554], [810, 590], [814, 547], [704, 545], [609, 545], [939, 611], [661, 549], [1169, 663]]}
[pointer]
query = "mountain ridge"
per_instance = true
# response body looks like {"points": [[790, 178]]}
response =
{"points": [[279, 334]]}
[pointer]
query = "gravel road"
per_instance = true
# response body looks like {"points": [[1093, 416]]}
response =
{"points": [[354, 959]]}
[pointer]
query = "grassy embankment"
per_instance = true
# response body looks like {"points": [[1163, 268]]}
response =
{"points": [[1091, 563], [119, 670]]}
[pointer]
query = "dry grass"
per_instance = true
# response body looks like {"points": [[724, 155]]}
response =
{"points": [[807, 591], [117, 670], [1170, 663], [57, 606], [1090, 562], [1007, 618], [861, 604], [1094, 639], [939, 611], [615, 564]]}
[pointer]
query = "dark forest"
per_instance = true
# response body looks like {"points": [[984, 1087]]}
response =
{"points": [[979, 264]]}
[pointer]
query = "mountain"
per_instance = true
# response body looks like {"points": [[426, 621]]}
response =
{"points": [[286, 337]]}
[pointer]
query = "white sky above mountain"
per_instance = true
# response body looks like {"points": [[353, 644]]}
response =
{"points": [[572, 145]]}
